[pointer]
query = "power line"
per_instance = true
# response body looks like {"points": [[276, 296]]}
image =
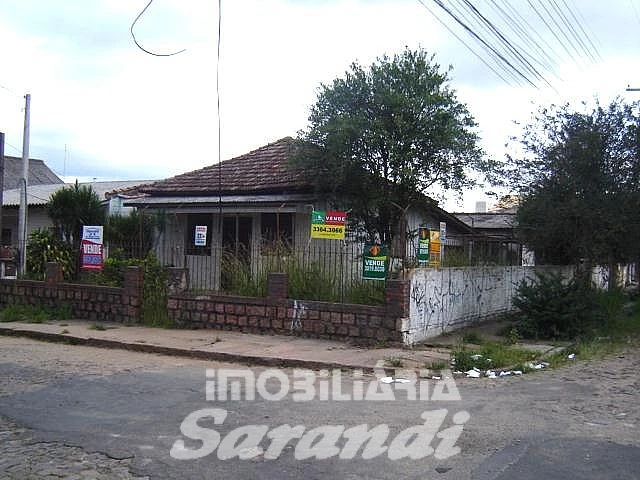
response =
{"points": [[140, 46], [514, 44], [477, 55]]}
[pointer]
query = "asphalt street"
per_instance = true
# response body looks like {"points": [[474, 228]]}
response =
{"points": [[579, 422]]}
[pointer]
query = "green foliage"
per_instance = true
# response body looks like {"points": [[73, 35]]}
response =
{"points": [[72, 207], [379, 137], [307, 281], [579, 181], [131, 234], [112, 273], [155, 294], [393, 362], [43, 247], [553, 308], [492, 355], [473, 337], [34, 313]]}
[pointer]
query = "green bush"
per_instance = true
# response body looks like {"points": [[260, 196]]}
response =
{"points": [[43, 247], [553, 308]]}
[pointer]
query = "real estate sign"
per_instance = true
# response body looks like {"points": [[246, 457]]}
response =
{"points": [[374, 262], [91, 248], [200, 236], [328, 224], [423, 245], [434, 248]]}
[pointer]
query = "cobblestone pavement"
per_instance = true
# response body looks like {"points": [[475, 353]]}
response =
{"points": [[25, 458]]}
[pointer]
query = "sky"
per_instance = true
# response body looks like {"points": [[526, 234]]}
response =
{"points": [[103, 109]]}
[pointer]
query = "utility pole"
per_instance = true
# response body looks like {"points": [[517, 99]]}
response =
{"points": [[22, 212]]}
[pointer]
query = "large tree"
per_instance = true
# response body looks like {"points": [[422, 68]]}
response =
{"points": [[382, 137], [579, 177]]}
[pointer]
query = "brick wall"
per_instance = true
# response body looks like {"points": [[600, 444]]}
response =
{"points": [[275, 314], [91, 302]]}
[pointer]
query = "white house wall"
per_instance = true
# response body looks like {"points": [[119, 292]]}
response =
{"points": [[445, 299]]}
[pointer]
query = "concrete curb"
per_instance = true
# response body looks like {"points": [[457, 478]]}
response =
{"points": [[180, 352]]}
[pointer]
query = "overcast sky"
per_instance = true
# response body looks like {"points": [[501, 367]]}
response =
{"points": [[102, 108]]}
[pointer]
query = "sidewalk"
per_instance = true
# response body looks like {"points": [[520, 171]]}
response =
{"points": [[274, 350]]}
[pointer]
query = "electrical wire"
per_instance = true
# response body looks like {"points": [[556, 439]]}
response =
{"points": [[140, 46], [477, 55], [514, 44]]}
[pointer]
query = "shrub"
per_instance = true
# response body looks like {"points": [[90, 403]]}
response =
{"points": [[552, 308], [43, 247]]}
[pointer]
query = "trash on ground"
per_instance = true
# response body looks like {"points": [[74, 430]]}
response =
{"points": [[571, 356], [394, 380], [476, 356], [472, 374]]}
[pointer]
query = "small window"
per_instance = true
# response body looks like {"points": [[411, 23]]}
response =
{"points": [[6, 236], [277, 231], [198, 241]]}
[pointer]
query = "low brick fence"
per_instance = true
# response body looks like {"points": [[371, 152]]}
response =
{"points": [[90, 302], [273, 314], [277, 314]]}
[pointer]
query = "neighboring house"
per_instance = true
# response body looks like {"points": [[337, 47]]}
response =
{"points": [[39, 173], [38, 196], [249, 207], [494, 235]]}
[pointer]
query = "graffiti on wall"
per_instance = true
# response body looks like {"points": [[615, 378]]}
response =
{"points": [[443, 299]]}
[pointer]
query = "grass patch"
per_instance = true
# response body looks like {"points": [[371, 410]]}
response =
{"points": [[97, 326], [436, 365], [492, 355], [34, 313]]}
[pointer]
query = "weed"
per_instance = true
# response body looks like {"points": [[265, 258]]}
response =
{"points": [[472, 337], [394, 362], [97, 326], [512, 336], [24, 313], [436, 365], [65, 331]]}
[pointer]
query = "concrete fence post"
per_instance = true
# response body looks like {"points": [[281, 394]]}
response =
{"points": [[277, 286]]}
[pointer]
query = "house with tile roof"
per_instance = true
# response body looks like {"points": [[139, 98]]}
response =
{"points": [[244, 206]]}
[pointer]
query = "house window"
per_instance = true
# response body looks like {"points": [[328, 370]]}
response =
{"points": [[276, 231], [199, 232], [6, 236]]}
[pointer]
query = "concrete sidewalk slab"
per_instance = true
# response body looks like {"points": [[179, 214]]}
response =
{"points": [[273, 350]]}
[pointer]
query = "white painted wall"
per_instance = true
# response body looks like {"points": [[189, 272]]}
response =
{"points": [[444, 299]]}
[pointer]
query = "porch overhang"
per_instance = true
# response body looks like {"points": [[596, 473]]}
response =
{"points": [[227, 203]]}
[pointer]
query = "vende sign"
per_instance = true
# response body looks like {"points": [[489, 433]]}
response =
{"points": [[328, 224], [91, 248]]}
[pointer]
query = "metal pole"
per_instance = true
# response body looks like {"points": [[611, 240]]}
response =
{"points": [[22, 212], [1, 181]]}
